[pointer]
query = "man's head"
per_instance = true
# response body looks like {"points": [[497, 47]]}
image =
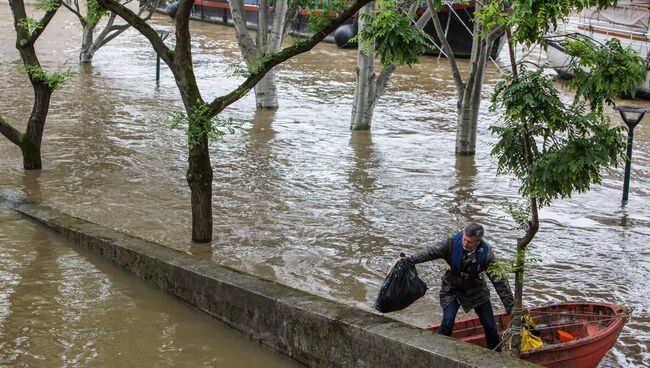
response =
{"points": [[472, 236]]}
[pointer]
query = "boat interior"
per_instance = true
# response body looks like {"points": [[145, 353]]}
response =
{"points": [[554, 324]]}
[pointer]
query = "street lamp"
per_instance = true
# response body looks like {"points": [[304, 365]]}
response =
{"points": [[163, 34], [631, 115]]}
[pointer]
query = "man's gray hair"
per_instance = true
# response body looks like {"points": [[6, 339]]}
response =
{"points": [[474, 230]]}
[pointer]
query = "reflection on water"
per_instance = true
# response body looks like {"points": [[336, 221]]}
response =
{"points": [[299, 198], [64, 307]]}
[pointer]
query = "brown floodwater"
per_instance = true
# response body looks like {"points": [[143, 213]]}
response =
{"points": [[300, 199], [61, 306]]}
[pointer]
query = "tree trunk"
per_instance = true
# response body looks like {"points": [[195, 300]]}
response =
{"points": [[199, 178], [266, 96], [470, 101], [466, 130], [87, 49], [365, 87], [369, 87], [30, 143], [522, 244]]}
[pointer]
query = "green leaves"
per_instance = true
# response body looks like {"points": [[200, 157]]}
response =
{"points": [[30, 25], [502, 267], [569, 145], [201, 124], [604, 71], [396, 39], [531, 20], [320, 13], [54, 80], [49, 5], [94, 12]]}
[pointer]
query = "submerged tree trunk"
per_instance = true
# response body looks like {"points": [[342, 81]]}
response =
{"points": [[369, 88], [470, 102], [266, 96], [30, 141], [87, 50], [30, 144], [91, 43], [468, 91], [365, 87], [199, 178]]}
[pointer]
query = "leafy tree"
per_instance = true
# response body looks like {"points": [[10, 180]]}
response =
{"points": [[556, 149], [28, 31], [179, 60], [94, 14]]}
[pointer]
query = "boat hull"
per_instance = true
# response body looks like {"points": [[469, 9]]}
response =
{"points": [[596, 327]]}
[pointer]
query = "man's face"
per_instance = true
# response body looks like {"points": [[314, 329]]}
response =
{"points": [[470, 243]]}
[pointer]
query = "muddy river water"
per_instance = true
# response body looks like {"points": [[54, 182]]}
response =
{"points": [[300, 199]]}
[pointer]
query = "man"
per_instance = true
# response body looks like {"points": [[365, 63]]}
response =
{"points": [[467, 256]]}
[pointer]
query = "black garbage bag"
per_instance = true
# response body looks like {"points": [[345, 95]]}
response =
{"points": [[401, 287]]}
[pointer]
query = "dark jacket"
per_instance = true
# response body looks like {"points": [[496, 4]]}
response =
{"points": [[471, 292]]}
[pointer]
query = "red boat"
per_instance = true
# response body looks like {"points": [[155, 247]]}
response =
{"points": [[590, 328]]}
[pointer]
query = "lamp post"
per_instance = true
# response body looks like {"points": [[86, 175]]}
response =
{"points": [[163, 36], [631, 115]]}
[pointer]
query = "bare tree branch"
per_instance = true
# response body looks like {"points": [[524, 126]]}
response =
{"points": [[12, 134], [47, 17], [106, 36], [74, 11], [382, 80], [141, 25]]}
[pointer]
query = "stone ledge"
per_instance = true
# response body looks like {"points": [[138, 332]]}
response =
{"points": [[312, 330]]}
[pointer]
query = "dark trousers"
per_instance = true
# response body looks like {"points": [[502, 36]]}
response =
{"points": [[485, 315]]}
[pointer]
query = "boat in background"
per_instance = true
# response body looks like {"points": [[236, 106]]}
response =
{"points": [[628, 21], [455, 17], [592, 328]]}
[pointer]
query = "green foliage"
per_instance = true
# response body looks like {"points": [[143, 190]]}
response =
{"points": [[569, 145], [517, 210], [94, 12], [201, 124], [531, 20], [49, 5], [396, 39], [604, 71], [30, 25], [318, 21], [298, 42], [53, 81], [321, 13], [255, 66], [502, 267], [237, 69]]}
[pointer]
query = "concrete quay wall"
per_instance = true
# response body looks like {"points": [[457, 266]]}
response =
{"points": [[312, 330]]}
